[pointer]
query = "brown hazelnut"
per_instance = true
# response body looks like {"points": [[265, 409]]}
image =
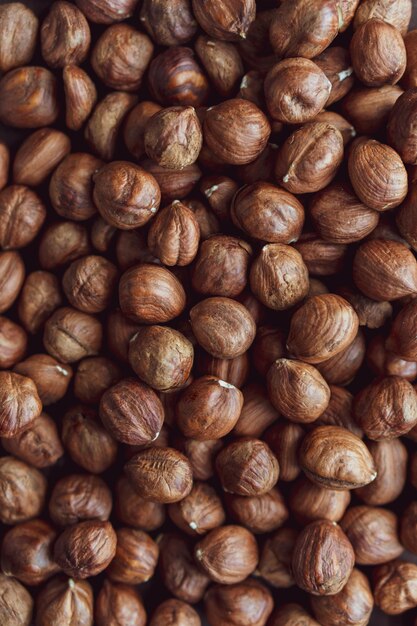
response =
{"points": [[135, 125], [222, 63], [135, 558], [371, 314], [409, 77], [23, 490], [227, 554], [248, 602], [342, 368], [323, 558], [335, 63], [321, 257], [120, 330], [402, 337], [260, 514], [64, 600], [339, 411], [38, 156], [309, 502], [175, 613], [94, 376], [275, 560], [118, 605], [133, 510], [284, 439], [61, 243], [233, 371], [20, 403], [28, 98], [405, 217], [79, 497], [18, 34], [390, 458], [228, 20], [85, 549], [107, 11], [408, 527], [292, 615], [65, 35], [4, 164], [219, 192], [160, 474], [345, 127], [352, 605], [13, 342], [71, 335], [201, 456], [178, 570], [12, 276], [103, 126], [296, 90], [39, 445], [247, 467], [51, 377], [87, 442], [168, 25], [26, 552], [173, 184], [255, 48], [368, 108], [199, 512], [80, 96], [400, 131], [89, 283], [131, 248], [174, 235], [176, 79], [258, 311], [173, 137], [269, 345], [16, 604], [257, 412], [102, 234], [334, 457], [39, 297], [395, 587], [397, 13]]}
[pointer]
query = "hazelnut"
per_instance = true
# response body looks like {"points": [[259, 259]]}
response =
{"points": [[395, 587], [16, 605], [26, 552], [178, 570], [260, 514], [269, 345], [233, 371], [50, 377], [23, 490], [176, 79], [369, 108], [107, 11], [168, 25], [39, 297], [102, 234], [87, 442], [173, 137], [323, 558], [402, 336], [228, 20], [400, 131], [79, 497], [219, 192], [20, 403], [85, 549], [118, 605], [39, 445], [247, 467], [18, 34], [248, 602], [80, 96], [173, 184], [201, 456], [71, 186], [65, 600], [335, 63], [309, 502], [227, 554], [199, 512], [174, 235], [94, 376], [346, 129], [222, 63], [120, 330], [61, 243], [321, 257], [390, 458], [71, 335], [257, 412], [405, 218], [160, 474], [65, 35], [13, 343], [89, 283], [334, 457], [12, 276], [4, 164], [284, 439], [339, 411], [135, 559], [408, 527], [132, 510], [38, 156], [292, 615], [255, 49], [409, 77], [28, 98], [175, 613], [371, 314], [275, 561], [135, 125], [236, 131], [342, 368], [132, 248], [296, 90], [397, 13]]}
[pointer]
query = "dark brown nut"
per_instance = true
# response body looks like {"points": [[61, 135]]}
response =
{"points": [[385, 363], [284, 439], [65, 35], [255, 48], [209, 408], [174, 235], [317, 288], [400, 131], [373, 534], [133, 510], [85, 549], [199, 512], [39, 155], [406, 217], [102, 234], [227, 554], [229, 605], [118, 605], [87, 442], [94, 376], [80, 96], [23, 490], [135, 559], [107, 11], [335, 63], [309, 502], [79, 497], [125, 194], [222, 63], [267, 212], [275, 560], [174, 184], [260, 514], [12, 276], [16, 605], [255, 308], [335, 458], [331, 326], [342, 368], [402, 337], [296, 90], [61, 243], [219, 192], [387, 408], [408, 527], [222, 266], [228, 20], [292, 615], [395, 587], [409, 79], [71, 335], [160, 474], [371, 314], [28, 98], [297, 390], [64, 600], [20, 403], [340, 217], [71, 186], [179, 572], [390, 459], [26, 552], [236, 131], [39, 297], [321, 257], [397, 13], [89, 283], [378, 53], [135, 125], [102, 128], [323, 558], [223, 327], [168, 25], [132, 412], [339, 411], [257, 412], [304, 29], [344, 126], [175, 613], [13, 343], [18, 33], [369, 108], [269, 345], [353, 605], [176, 79], [247, 467], [173, 137], [251, 88], [120, 330], [120, 57], [385, 184], [132, 248], [201, 456], [4, 164], [39, 445]]}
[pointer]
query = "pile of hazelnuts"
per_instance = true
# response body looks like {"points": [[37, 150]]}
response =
{"points": [[208, 313]]}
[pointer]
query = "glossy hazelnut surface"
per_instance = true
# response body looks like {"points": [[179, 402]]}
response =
{"points": [[28, 97], [18, 33]]}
